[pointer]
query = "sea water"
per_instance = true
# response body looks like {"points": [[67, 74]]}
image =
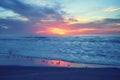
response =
{"points": [[91, 49]]}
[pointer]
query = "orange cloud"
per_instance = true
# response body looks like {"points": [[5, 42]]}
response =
{"points": [[64, 28], [83, 30]]}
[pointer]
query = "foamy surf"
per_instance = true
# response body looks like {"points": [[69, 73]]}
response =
{"points": [[88, 49]]}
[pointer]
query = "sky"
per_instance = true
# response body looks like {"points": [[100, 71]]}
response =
{"points": [[59, 17]]}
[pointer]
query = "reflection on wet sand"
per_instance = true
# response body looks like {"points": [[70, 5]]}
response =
{"points": [[35, 61], [53, 62], [60, 63]]}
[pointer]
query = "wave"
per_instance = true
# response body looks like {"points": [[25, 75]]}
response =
{"points": [[85, 49]]}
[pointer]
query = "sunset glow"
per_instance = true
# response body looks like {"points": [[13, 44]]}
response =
{"points": [[59, 39], [58, 31], [59, 17], [82, 30], [65, 31]]}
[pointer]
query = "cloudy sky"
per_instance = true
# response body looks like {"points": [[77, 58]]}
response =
{"points": [[59, 17]]}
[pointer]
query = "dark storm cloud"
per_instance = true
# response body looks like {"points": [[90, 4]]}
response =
{"points": [[29, 11], [109, 20], [32, 12], [12, 22], [14, 26], [111, 23]]}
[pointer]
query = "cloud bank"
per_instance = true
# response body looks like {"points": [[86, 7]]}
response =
{"points": [[29, 16]]}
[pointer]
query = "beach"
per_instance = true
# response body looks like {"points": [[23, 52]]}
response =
{"points": [[57, 73], [59, 40]]}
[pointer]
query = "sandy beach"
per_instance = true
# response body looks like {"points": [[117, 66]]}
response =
{"points": [[58, 73]]}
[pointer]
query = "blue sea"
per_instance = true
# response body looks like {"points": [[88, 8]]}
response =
{"points": [[87, 49]]}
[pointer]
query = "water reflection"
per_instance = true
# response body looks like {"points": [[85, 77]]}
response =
{"points": [[53, 62], [61, 63], [35, 61]]}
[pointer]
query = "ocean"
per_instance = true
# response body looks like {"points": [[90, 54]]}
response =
{"points": [[87, 49]]}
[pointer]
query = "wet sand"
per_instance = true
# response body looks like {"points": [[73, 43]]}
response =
{"points": [[58, 73]]}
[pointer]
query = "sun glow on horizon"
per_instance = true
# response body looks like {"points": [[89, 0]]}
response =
{"points": [[64, 31], [59, 31]]}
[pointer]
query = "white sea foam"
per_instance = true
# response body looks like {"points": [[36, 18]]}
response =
{"points": [[86, 49]]}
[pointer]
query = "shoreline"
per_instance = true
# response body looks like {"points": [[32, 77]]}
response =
{"points": [[13, 60]]}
